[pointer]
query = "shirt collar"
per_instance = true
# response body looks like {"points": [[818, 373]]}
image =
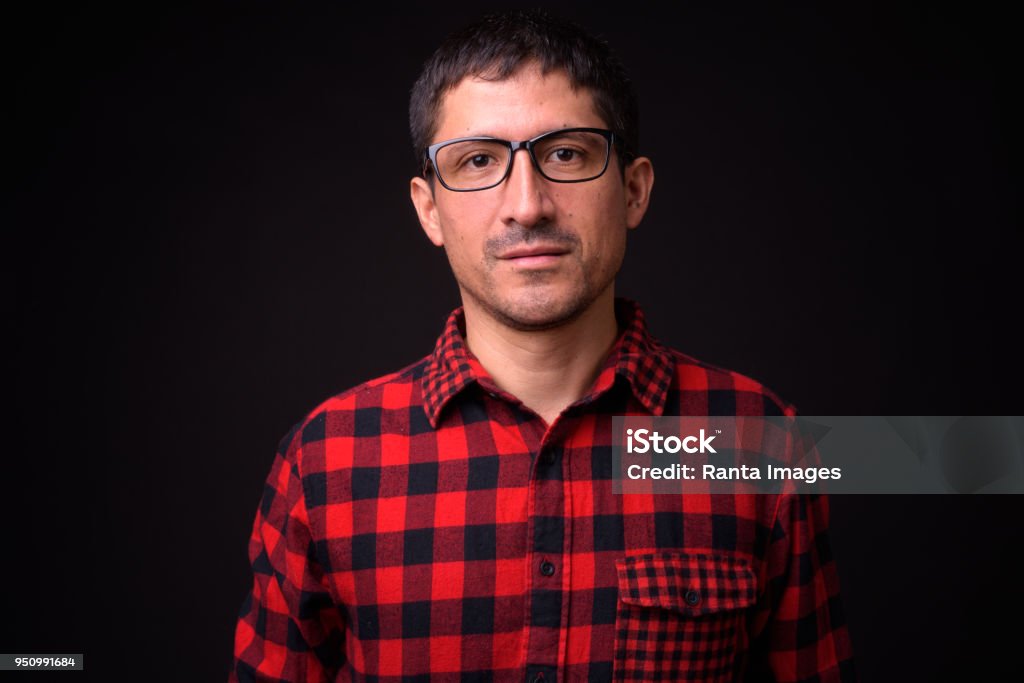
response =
{"points": [[637, 357]]}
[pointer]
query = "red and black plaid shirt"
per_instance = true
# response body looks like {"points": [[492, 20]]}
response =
{"points": [[427, 525]]}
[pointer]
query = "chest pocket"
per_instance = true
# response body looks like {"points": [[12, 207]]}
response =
{"points": [[681, 617]]}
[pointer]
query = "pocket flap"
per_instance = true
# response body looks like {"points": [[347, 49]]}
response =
{"points": [[690, 583]]}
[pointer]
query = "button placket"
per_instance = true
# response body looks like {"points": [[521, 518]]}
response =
{"points": [[548, 455], [547, 601], [541, 674]]}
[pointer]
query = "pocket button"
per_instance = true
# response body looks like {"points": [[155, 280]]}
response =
{"points": [[692, 597]]}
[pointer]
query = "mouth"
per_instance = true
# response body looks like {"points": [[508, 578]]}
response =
{"points": [[534, 255]]}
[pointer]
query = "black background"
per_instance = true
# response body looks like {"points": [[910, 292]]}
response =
{"points": [[209, 232]]}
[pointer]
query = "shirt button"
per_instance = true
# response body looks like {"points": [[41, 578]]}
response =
{"points": [[546, 568], [692, 597], [547, 457]]}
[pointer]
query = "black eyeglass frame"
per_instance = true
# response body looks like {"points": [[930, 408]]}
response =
{"points": [[430, 155]]}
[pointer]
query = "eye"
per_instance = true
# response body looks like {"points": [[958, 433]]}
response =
{"points": [[477, 161], [565, 154]]}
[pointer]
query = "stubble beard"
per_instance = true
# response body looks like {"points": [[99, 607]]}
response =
{"points": [[533, 310], [534, 306]]}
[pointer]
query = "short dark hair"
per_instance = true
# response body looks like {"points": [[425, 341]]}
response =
{"points": [[500, 44]]}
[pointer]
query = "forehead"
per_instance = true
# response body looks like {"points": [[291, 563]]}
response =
{"points": [[519, 107]]}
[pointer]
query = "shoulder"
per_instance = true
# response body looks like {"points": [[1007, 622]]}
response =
{"points": [[362, 411], [700, 387]]}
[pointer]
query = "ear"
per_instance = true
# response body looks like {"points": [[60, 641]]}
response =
{"points": [[422, 196], [638, 179]]}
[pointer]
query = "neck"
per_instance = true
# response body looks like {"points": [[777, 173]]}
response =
{"points": [[548, 370]]}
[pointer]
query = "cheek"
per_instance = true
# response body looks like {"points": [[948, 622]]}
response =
{"points": [[613, 248], [465, 249], [453, 228], [608, 226], [464, 227]]}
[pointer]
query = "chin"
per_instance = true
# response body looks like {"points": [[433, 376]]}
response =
{"points": [[543, 314]]}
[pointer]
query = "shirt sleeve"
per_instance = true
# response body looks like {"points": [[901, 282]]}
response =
{"points": [[801, 633], [289, 628]]}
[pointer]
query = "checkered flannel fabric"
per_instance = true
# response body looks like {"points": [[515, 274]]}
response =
{"points": [[428, 526]]}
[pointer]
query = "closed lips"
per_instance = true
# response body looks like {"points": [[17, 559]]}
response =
{"points": [[535, 250]]}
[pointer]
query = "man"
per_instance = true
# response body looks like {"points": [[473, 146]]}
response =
{"points": [[455, 520]]}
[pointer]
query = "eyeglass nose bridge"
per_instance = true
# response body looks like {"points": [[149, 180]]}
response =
{"points": [[526, 145]]}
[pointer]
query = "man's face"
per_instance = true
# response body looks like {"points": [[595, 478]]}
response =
{"points": [[530, 253]]}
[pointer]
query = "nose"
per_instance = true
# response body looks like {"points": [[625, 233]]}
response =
{"points": [[526, 194]]}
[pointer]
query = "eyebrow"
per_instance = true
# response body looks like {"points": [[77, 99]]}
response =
{"points": [[498, 137]]}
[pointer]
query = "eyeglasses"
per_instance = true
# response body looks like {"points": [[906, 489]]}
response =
{"points": [[570, 155]]}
